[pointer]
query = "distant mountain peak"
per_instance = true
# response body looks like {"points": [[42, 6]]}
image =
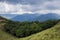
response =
{"points": [[35, 17]]}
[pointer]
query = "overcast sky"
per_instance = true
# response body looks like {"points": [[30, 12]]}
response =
{"points": [[29, 6]]}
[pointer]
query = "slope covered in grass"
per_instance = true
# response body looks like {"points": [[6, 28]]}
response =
{"points": [[49, 34]]}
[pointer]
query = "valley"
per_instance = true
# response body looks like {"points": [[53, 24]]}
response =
{"points": [[47, 34]]}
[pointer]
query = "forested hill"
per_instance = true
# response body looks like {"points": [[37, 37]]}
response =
{"points": [[35, 30], [49, 34], [24, 29]]}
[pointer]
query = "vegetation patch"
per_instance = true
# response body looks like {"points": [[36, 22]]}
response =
{"points": [[23, 29]]}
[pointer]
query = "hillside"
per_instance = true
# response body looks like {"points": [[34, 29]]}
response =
{"points": [[49, 34]]}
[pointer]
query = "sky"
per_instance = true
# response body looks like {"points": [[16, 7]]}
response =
{"points": [[29, 6]]}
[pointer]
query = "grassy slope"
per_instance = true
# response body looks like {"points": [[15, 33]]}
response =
{"points": [[49, 34]]}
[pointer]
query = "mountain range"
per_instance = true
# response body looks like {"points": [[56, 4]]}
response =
{"points": [[32, 17], [36, 17], [8, 16]]}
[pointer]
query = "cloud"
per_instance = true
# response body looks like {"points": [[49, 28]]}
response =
{"points": [[29, 6], [23, 1], [13, 9], [48, 11], [34, 2]]}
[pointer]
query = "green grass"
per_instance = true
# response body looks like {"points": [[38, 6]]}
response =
{"points": [[49, 34]]}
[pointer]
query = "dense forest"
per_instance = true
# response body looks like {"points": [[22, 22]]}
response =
{"points": [[23, 29]]}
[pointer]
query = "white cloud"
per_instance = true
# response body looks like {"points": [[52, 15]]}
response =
{"points": [[56, 11], [13, 9], [48, 11], [43, 8]]}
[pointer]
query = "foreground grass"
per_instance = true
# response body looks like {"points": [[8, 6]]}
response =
{"points": [[49, 34]]}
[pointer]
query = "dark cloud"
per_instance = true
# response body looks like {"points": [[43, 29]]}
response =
{"points": [[24, 1], [27, 1]]}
